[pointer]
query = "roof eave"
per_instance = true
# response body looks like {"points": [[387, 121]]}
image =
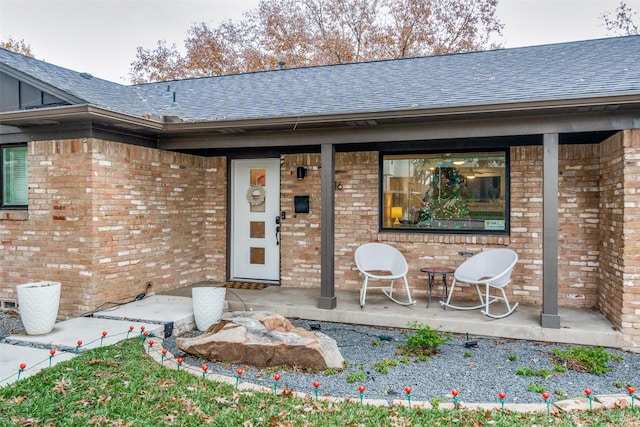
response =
{"points": [[579, 104], [85, 112], [174, 125]]}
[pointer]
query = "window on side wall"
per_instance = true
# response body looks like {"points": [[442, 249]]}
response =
{"points": [[13, 177], [446, 192]]}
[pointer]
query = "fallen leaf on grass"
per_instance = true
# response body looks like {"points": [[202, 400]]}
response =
{"points": [[19, 399], [61, 386], [25, 422], [85, 402], [287, 392], [97, 420], [621, 404], [168, 418], [165, 383], [121, 423]]}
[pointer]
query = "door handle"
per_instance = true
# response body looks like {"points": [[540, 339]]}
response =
{"points": [[277, 230]]}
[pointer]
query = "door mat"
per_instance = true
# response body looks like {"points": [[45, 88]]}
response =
{"points": [[246, 285]]}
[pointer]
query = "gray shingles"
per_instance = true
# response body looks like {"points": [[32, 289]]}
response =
{"points": [[604, 67], [92, 90]]}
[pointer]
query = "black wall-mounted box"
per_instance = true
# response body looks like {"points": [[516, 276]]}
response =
{"points": [[301, 204]]}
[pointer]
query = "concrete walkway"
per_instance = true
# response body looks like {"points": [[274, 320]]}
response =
{"points": [[163, 315], [159, 314]]}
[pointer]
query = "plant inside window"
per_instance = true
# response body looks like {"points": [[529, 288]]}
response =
{"points": [[455, 192]]}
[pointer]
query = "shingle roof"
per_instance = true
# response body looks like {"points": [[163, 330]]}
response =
{"points": [[592, 68], [92, 90]]}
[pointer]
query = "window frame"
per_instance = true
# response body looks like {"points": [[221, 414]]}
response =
{"points": [[507, 191], [3, 205]]}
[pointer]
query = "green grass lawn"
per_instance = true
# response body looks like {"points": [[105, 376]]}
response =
{"points": [[120, 385]]}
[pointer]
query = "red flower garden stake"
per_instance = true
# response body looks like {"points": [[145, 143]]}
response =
{"points": [[164, 353], [631, 392], [205, 368], [52, 353], [502, 395], [545, 396], [142, 329], [104, 334], [150, 345], [179, 362], [588, 392], [129, 331], [316, 385], [454, 393], [276, 379], [407, 390], [23, 366], [239, 373], [361, 389], [79, 344]]}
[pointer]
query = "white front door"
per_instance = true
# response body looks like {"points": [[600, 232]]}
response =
{"points": [[255, 210]]}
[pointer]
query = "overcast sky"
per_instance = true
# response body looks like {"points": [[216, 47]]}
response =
{"points": [[100, 36]]}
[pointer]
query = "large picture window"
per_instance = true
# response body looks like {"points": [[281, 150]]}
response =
{"points": [[13, 177], [447, 192]]}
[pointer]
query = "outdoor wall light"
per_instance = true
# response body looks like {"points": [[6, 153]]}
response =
{"points": [[301, 172]]}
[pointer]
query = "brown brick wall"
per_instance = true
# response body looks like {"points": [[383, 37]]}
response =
{"points": [[357, 222], [611, 227], [300, 233], [105, 218], [55, 240], [579, 225], [630, 284]]}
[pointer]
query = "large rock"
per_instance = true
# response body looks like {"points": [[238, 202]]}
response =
{"points": [[263, 339]]}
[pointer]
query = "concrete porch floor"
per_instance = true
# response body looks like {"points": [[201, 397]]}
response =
{"points": [[578, 326]]}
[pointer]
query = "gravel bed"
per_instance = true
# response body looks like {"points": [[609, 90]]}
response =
{"points": [[478, 367], [10, 323]]}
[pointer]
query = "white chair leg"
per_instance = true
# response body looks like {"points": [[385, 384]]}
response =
{"points": [[389, 293], [406, 287], [448, 302], [487, 301], [510, 308], [363, 291], [457, 307]]}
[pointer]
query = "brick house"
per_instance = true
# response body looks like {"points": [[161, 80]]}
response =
{"points": [[107, 187]]}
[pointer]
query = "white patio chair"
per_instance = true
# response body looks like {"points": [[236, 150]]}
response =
{"points": [[379, 261], [492, 269]]}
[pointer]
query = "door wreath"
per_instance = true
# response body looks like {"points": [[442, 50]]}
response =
{"points": [[255, 195]]}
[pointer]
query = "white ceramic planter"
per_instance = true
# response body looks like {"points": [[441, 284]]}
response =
{"points": [[38, 303], [208, 304]]}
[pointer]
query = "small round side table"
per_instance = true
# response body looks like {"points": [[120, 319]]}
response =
{"points": [[431, 274]]}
